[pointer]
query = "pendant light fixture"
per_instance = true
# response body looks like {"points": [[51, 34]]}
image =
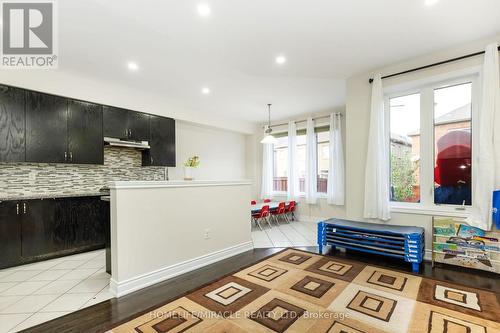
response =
{"points": [[268, 138]]}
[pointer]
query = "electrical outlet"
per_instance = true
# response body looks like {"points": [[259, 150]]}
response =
{"points": [[32, 176], [207, 234]]}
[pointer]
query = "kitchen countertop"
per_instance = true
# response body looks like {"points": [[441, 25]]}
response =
{"points": [[175, 183], [33, 196]]}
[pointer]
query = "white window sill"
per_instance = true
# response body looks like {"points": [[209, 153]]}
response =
{"points": [[431, 211]]}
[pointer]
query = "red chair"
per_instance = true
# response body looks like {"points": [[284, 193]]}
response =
{"points": [[253, 202], [290, 210], [267, 200], [263, 214], [280, 211]]}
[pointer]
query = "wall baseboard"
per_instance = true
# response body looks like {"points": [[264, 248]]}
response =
{"points": [[142, 281]]}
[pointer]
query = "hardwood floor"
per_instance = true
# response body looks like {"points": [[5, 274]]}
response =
{"points": [[108, 314]]}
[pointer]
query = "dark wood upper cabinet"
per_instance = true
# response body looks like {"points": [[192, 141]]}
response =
{"points": [[162, 152], [42, 128], [125, 124], [115, 122], [12, 124], [85, 139], [10, 234], [46, 128], [138, 124]]}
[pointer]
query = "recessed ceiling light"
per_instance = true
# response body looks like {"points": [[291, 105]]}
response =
{"points": [[204, 9], [280, 60], [431, 2], [205, 91], [132, 66]]}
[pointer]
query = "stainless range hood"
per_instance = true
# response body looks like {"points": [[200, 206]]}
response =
{"points": [[126, 143]]}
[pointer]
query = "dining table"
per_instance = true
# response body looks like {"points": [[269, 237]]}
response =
{"points": [[272, 205]]}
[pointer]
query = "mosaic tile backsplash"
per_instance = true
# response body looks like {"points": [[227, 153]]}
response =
{"points": [[21, 180]]}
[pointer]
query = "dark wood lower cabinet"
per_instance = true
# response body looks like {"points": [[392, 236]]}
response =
{"points": [[35, 230], [10, 234], [39, 231]]}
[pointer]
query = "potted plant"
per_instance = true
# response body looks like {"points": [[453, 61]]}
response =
{"points": [[189, 166]]}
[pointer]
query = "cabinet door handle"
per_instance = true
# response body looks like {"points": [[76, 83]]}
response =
{"points": [[17, 209], [151, 159], [71, 156], [65, 156], [24, 208], [130, 130]]}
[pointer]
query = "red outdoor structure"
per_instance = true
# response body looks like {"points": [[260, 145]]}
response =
{"points": [[453, 161]]}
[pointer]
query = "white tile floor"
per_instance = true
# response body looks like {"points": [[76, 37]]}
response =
{"points": [[296, 233], [34, 293]]}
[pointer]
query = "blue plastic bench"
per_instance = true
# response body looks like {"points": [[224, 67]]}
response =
{"points": [[402, 242]]}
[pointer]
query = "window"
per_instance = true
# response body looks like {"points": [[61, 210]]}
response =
{"points": [[280, 181], [405, 148], [431, 151], [323, 156], [301, 160], [452, 144], [280, 160]]}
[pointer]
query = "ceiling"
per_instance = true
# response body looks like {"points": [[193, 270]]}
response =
{"points": [[233, 50]]}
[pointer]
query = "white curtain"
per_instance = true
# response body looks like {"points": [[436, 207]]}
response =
{"points": [[377, 183], [311, 180], [336, 187], [487, 163], [267, 171], [292, 177]]}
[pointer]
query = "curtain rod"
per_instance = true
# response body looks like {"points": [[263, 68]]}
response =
{"points": [[432, 65], [304, 120]]}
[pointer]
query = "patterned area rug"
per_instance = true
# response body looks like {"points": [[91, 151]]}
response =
{"points": [[296, 291]]}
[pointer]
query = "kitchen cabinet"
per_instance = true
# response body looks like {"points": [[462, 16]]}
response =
{"points": [[85, 222], [85, 139], [43, 128], [46, 128], [10, 234], [125, 124], [115, 124], [138, 124], [40, 229], [162, 142], [12, 124]]}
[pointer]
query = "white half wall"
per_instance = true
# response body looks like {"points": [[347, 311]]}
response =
{"points": [[163, 229]]}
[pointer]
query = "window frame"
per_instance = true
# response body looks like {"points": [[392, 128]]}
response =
{"points": [[426, 206]]}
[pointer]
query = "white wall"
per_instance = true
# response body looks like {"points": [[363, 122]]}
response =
{"points": [[222, 152]]}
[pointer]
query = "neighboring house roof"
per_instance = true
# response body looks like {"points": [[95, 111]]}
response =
{"points": [[455, 116]]}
